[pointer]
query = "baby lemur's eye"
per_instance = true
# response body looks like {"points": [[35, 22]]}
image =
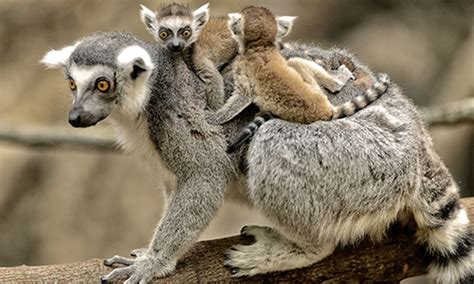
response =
{"points": [[103, 86], [72, 84], [164, 34], [186, 33]]}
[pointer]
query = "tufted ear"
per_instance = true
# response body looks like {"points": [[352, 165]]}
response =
{"points": [[58, 58], [148, 17], [234, 23], [285, 24], [135, 60], [201, 16]]}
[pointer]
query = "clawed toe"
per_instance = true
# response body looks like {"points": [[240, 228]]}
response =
{"points": [[119, 260], [138, 252], [234, 271], [118, 273]]}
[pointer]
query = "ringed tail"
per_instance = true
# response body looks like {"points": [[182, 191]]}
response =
{"points": [[248, 131], [346, 109], [369, 96], [446, 238]]}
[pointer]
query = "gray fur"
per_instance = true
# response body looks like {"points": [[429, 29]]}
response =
{"points": [[322, 184], [174, 19]]}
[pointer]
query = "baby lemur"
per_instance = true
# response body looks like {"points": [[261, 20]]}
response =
{"points": [[205, 44], [285, 89]]}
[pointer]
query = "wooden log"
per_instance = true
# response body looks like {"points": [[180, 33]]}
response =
{"points": [[394, 259]]}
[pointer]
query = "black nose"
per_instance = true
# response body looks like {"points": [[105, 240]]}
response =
{"points": [[175, 47], [75, 119]]}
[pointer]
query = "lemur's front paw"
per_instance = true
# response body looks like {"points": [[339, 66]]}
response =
{"points": [[142, 269]]}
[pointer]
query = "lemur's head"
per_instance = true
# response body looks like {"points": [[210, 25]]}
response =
{"points": [[105, 72], [257, 26], [175, 27]]}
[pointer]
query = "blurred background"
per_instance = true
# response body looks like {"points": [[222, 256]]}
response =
{"points": [[60, 205]]}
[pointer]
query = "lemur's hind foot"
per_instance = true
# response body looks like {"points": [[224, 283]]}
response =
{"points": [[270, 252], [341, 77]]}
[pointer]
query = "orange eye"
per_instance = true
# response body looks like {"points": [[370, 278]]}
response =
{"points": [[186, 33], [163, 35], [103, 86], [72, 84]]}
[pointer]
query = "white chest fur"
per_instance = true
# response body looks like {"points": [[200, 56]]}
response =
{"points": [[133, 137]]}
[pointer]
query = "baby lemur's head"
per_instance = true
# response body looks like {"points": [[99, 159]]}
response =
{"points": [[257, 26], [175, 27]]}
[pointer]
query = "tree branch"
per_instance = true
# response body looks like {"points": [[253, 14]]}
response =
{"points": [[391, 260], [455, 113], [50, 139]]}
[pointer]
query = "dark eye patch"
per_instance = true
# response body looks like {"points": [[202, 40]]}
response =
{"points": [[168, 32], [106, 79], [186, 28], [236, 27], [102, 78], [185, 32]]}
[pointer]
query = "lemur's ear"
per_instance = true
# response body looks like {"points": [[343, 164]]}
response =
{"points": [[149, 19], [135, 60], [234, 23], [201, 16], [285, 24], [58, 58]]}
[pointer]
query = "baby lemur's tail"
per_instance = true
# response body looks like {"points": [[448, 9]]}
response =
{"points": [[368, 97], [248, 131], [346, 109]]}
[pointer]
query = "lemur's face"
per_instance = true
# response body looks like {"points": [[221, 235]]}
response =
{"points": [[94, 91], [178, 29], [103, 88], [175, 34]]}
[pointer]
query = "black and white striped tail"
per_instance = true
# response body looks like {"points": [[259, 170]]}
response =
{"points": [[346, 109], [447, 240], [248, 131], [360, 102]]}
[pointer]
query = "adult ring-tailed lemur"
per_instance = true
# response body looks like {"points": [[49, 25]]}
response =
{"points": [[324, 184]]}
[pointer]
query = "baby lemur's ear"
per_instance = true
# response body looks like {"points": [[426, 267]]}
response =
{"points": [[148, 17], [201, 16], [285, 24], [135, 60], [58, 58], [234, 23]]}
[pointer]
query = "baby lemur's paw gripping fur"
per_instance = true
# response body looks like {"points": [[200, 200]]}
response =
{"points": [[341, 77]]}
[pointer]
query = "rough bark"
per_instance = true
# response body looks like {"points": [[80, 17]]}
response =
{"points": [[394, 259]]}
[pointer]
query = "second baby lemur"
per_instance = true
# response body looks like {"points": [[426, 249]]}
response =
{"points": [[205, 44], [285, 89]]}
